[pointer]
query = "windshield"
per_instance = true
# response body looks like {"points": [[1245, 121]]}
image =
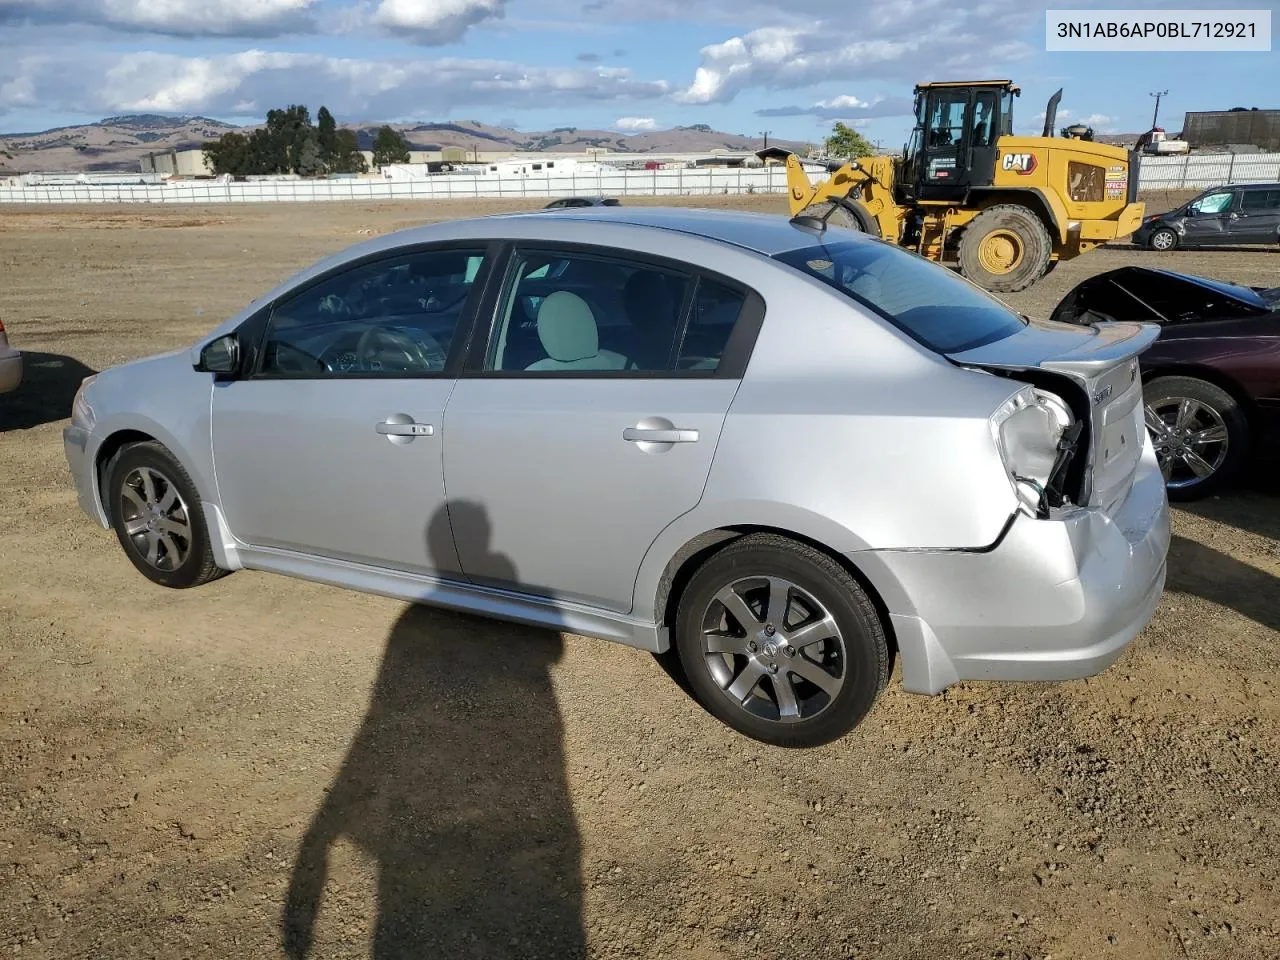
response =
{"points": [[928, 302]]}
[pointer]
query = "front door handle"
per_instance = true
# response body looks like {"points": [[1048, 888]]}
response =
{"points": [[405, 429], [400, 428], [659, 435]]}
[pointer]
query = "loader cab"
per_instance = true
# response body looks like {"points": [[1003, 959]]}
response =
{"points": [[953, 144]]}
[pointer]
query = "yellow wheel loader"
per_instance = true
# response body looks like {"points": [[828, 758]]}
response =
{"points": [[967, 192]]}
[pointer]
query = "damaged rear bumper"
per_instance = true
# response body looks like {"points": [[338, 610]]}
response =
{"points": [[1055, 599]]}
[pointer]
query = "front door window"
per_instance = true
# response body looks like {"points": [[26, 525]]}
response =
{"points": [[1213, 203]]}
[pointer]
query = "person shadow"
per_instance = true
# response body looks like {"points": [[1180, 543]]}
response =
{"points": [[455, 785], [48, 387]]}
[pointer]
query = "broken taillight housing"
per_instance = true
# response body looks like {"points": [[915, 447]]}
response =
{"points": [[1036, 434]]}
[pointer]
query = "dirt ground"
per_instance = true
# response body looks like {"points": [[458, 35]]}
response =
{"points": [[265, 764]]}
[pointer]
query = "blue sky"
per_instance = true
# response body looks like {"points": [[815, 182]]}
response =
{"points": [[744, 66]]}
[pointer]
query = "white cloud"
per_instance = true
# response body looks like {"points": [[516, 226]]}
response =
{"points": [[635, 124], [434, 21], [175, 17], [1097, 119], [255, 80], [894, 43], [842, 102], [847, 108]]}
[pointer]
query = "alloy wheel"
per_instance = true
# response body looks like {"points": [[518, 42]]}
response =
{"points": [[1162, 240], [773, 649], [156, 518], [1190, 439]]}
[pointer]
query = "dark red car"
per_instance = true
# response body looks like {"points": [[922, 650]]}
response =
{"points": [[1212, 380]]}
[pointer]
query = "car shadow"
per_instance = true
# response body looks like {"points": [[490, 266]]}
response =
{"points": [[49, 385], [455, 785], [1233, 248], [1252, 503], [1212, 575]]}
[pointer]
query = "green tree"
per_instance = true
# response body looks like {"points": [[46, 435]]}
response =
{"points": [[389, 147], [327, 134], [231, 154], [347, 157], [268, 152], [308, 163], [848, 142], [288, 130]]}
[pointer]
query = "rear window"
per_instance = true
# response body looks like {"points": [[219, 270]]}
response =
{"points": [[926, 301]]}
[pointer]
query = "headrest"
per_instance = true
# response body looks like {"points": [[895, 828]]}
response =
{"points": [[566, 328]]}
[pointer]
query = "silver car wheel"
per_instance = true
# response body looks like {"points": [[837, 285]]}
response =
{"points": [[1162, 240], [156, 519], [1190, 438], [773, 649]]}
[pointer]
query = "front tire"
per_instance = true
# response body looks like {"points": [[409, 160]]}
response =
{"points": [[1163, 240], [157, 517], [1200, 433], [780, 643], [850, 214], [1006, 248]]}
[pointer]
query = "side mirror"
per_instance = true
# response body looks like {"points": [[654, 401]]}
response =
{"points": [[221, 355]]}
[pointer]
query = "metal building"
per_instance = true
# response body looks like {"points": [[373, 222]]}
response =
{"points": [[1217, 128], [180, 163]]}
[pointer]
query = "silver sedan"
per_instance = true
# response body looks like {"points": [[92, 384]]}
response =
{"points": [[780, 454]]}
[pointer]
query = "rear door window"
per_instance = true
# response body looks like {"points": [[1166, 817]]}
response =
{"points": [[578, 312], [1260, 201]]}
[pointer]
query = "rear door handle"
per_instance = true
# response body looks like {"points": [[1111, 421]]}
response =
{"points": [[659, 435]]}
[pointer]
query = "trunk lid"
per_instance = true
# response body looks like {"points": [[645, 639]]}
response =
{"points": [[1096, 372], [1161, 296]]}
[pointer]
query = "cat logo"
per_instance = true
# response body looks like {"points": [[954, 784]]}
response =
{"points": [[1022, 163]]}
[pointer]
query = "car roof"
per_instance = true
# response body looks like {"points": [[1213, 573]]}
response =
{"points": [[1241, 186], [767, 233], [761, 233]]}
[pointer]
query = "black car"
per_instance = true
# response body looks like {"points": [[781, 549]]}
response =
{"points": [[563, 202], [1211, 382], [1243, 213]]}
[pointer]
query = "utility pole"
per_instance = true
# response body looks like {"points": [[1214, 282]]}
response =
{"points": [[765, 134], [1155, 116]]}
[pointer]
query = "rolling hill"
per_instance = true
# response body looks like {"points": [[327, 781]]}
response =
{"points": [[119, 143]]}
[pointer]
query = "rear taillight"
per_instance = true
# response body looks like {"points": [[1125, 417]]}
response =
{"points": [[1, 326]]}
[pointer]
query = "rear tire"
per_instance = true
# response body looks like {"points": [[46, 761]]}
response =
{"points": [[1163, 240], [158, 517], [850, 214], [1185, 418], [780, 643], [1006, 248]]}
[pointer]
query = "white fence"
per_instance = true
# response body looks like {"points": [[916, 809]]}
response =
{"points": [[625, 183], [1160, 173], [1197, 171]]}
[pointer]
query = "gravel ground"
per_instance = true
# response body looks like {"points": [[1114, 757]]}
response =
{"points": [[265, 764]]}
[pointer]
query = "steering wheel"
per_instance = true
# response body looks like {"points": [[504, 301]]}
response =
{"points": [[418, 357]]}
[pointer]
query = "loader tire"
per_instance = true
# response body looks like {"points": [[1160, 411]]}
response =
{"points": [[850, 214], [1005, 248]]}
